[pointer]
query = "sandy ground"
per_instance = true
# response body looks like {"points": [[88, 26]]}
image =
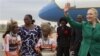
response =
{"points": [[1, 53], [1, 48]]}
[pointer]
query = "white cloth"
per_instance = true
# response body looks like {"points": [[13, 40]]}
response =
{"points": [[49, 41]]}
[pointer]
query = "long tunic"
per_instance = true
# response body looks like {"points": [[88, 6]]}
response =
{"points": [[91, 37], [29, 39]]}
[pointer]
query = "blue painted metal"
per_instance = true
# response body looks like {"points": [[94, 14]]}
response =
{"points": [[53, 13]]}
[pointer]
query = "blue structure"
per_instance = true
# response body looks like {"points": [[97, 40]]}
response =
{"points": [[53, 13]]}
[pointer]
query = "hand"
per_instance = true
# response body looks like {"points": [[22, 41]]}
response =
{"points": [[72, 53], [67, 7], [53, 49], [37, 50]]}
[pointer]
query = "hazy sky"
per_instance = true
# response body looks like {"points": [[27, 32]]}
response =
{"points": [[16, 9]]}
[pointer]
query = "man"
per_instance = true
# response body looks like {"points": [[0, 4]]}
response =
{"points": [[76, 37]]}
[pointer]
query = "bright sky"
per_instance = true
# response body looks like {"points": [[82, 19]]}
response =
{"points": [[17, 9]]}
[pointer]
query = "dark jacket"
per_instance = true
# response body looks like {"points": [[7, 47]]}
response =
{"points": [[76, 38], [64, 34]]}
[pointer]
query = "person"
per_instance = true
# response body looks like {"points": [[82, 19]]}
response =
{"points": [[76, 37], [63, 39], [12, 40], [90, 45], [30, 34], [46, 44]]}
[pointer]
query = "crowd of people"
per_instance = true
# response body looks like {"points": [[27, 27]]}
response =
{"points": [[82, 38]]}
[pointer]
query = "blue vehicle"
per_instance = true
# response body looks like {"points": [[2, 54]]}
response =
{"points": [[54, 10]]}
